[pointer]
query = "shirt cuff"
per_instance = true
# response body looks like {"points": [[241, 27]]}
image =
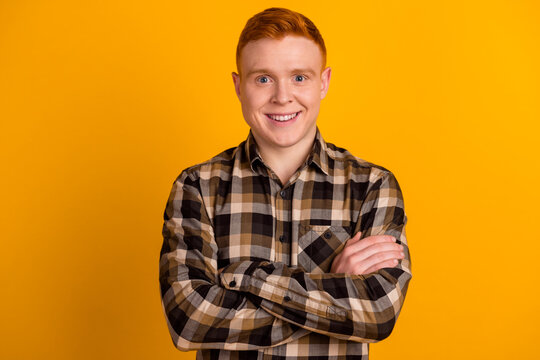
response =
{"points": [[236, 276], [275, 289]]}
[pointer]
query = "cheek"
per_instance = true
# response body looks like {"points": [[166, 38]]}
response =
{"points": [[255, 97], [310, 99]]}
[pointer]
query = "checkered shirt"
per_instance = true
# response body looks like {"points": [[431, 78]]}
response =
{"points": [[244, 266]]}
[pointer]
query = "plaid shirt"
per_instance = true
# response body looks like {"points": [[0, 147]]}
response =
{"points": [[244, 267]]}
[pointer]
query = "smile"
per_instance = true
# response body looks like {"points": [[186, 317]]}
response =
{"points": [[282, 118]]}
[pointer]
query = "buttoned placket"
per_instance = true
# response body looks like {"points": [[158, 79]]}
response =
{"points": [[282, 222], [285, 239]]}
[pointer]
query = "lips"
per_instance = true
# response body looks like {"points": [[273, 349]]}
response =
{"points": [[283, 117]]}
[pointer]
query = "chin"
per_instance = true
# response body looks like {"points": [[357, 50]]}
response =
{"points": [[287, 142]]}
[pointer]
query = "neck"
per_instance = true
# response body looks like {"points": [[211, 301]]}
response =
{"points": [[285, 161]]}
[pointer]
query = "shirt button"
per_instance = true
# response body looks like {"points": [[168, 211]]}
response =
{"points": [[328, 234], [283, 193], [282, 238], [287, 298], [232, 283]]}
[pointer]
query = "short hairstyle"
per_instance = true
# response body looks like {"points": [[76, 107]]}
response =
{"points": [[276, 23]]}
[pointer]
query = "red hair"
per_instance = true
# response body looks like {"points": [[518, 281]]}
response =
{"points": [[276, 23]]}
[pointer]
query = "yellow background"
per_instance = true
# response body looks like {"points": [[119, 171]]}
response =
{"points": [[103, 103]]}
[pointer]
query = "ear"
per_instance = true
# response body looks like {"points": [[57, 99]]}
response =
{"points": [[325, 81], [236, 81]]}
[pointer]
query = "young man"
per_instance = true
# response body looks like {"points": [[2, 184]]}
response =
{"points": [[285, 247]]}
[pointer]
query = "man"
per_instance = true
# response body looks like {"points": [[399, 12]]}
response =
{"points": [[285, 247]]}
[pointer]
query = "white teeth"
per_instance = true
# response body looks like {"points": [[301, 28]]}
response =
{"points": [[282, 117]]}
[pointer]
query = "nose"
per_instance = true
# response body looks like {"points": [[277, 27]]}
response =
{"points": [[282, 94]]}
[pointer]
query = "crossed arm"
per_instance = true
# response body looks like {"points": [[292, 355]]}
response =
{"points": [[250, 305]]}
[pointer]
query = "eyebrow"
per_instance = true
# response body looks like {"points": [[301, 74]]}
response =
{"points": [[294, 71]]}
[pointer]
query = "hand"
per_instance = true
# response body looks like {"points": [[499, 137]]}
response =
{"points": [[367, 255]]}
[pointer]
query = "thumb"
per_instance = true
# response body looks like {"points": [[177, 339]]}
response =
{"points": [[356, 237]]}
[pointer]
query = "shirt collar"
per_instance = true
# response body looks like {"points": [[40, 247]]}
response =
{"points": [[252, 151], [318, 155]]}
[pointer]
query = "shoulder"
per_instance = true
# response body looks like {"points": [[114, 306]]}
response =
{"points": [[341, 160], [220, 165], [363, 177]]}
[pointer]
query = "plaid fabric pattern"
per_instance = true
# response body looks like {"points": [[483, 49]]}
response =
{"points": [[244, 266]]}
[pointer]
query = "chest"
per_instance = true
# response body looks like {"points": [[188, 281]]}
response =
{"points": [[302, 224]]}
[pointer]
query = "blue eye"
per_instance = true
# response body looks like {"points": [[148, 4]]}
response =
{"points": [[263, 79], [299, 78]]}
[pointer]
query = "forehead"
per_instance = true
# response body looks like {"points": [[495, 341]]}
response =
{"points": [[291, 52]]}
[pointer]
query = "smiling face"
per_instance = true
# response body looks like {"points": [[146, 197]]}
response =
{"points": [[280, 86]]}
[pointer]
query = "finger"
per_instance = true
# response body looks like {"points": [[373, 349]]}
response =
{"points": [[382, 247], [383, 256], [381, 265], [361, 254], [356, 253], [355, 238], [377, 258], [371, 240]]}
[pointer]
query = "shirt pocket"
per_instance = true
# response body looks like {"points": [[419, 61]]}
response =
{"points": [[318, 245]]}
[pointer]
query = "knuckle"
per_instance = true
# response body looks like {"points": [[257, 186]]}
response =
{"points": [[378, 248], [371, 239], [382, 256], [396, 247], [359, 269], [379, 257]]}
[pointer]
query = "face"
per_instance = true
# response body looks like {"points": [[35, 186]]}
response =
{"points": [[280, 86]]}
